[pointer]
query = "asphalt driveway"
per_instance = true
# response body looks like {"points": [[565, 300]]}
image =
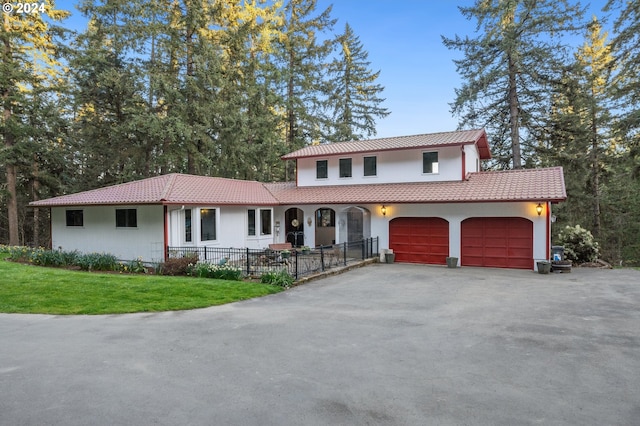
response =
{"points": [[384, 344]]}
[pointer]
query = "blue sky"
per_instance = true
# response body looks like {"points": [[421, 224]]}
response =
{"points": [[403, 39]]}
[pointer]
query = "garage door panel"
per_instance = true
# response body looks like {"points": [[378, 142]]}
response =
{"points": [[497, 242], [419, 239]]}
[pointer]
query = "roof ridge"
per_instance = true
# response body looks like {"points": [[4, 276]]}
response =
{"points": [[405, 136], [168, 186]]}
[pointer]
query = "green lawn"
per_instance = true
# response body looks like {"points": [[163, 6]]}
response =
{"points": [[39, 290]]}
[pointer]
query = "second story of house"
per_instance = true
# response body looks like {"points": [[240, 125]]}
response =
{"points": [[435, 157]]}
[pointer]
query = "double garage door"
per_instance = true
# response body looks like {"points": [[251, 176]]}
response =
{"points": [[502, 242]]}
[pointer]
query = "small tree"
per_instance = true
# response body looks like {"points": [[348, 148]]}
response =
{"points": [[579, 244]]}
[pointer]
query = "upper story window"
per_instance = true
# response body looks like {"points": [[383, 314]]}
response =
{"points": [[207, 224], [126, 218], [345, 167], [429, 162], [75, 217], [370, 166], [322, 169]]}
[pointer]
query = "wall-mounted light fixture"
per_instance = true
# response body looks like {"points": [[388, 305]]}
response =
{"points": [[539, 209], [383, 210], [309, 221], [277, 227]]}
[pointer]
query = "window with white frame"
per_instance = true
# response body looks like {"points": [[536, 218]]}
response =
{"points": [[265, 221], [251, 222], [208, 224]]}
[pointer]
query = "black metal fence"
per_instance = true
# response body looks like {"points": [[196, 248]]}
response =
{"points": [[298, 263]]}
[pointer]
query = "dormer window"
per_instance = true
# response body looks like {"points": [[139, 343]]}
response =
{"points": [[429, 162], [322, 169], [345, 167]]}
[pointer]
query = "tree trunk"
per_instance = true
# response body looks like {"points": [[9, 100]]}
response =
{"points": [[36, 211], [12, 203], [595, 177], [514, 110]]}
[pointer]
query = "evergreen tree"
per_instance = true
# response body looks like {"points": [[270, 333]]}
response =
{"points": [[28, 49], [596, 61], [354, 101], [507, 68], [303, 58], [627, 57]]}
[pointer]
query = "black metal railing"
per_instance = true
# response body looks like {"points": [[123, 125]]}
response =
{"points": [[298, 263]]}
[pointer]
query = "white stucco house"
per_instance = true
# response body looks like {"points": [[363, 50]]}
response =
{"points": [[425, 196]]}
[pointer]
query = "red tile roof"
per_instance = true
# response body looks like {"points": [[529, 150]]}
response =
{"points": [[462, 137], [514, 185], [170, 189]]}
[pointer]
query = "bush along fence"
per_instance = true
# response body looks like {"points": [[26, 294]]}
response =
{"points": [[296, 262]]}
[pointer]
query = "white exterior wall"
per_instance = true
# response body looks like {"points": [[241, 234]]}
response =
{"points": [[472, 159], [232, 227], [392, 167], [453, 213], [456, 213], [99, 232]]}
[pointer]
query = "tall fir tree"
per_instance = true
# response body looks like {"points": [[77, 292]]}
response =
{"points": [[507, 67], [28, 57], [354, 101], [596, 61], [303, 59]]}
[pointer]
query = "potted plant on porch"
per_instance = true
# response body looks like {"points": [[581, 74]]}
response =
{"points": [[285, 254]]}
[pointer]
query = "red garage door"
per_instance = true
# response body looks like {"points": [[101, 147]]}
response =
{"points": [[419, 239], [501, 242]]}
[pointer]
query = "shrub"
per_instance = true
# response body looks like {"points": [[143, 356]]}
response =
{"points": [[210, 270], [18, 253], [280, 278], [135, 267], [178, 265], [42, 257], [579, 244], [98, 262]]}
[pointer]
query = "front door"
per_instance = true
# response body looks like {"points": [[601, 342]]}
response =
{"points": [[325, 227], [294, 226]]}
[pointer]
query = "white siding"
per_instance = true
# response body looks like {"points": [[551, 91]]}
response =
{"points": [[392, 167], [472, 159], [99, 232], [231, 227]]}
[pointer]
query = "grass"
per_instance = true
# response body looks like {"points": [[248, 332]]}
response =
{"points": [[39, 290]]}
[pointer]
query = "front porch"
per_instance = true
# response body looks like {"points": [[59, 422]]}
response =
{"points": [[255, 262]]}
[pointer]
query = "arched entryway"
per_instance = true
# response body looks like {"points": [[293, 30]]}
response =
{"points": [[294, 227], [354, 224], [325, 227]]}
